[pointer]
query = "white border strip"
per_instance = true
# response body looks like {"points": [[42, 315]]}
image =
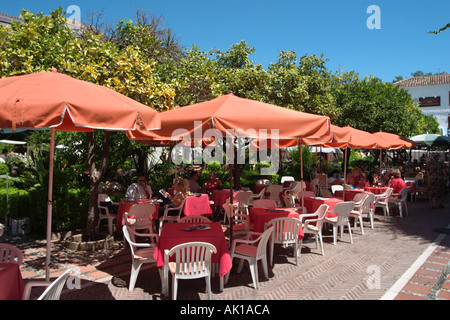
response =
{"points": [[400, 284]]}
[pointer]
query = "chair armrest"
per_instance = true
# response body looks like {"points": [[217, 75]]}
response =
{"points": [[31, 284], [150, 235]]}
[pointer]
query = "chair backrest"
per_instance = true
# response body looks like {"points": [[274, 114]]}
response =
{"points": [[404, 193], [359, 198], [321, 213], [274, 190], [10, 254], [264, 203], [53, 291], [192, 259], [287, 178], [300, 186], [143, 213], [243, 197], [367, 207], [194, 219], [343, 210], [285, 229], [335, 187], [388, 193], [262, 244]]}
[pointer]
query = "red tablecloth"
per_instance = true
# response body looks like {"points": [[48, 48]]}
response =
{"points": [[376, 190], [220, 196], [172, 234], [194, 205], [124, 207], [11, 282], [260, 216], [349, 194], [313, 203]]}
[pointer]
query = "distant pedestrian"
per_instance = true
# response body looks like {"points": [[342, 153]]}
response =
{"points": [[437, 179]]}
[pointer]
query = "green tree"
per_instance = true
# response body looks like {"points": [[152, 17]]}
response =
{"points": [[372, 105]]}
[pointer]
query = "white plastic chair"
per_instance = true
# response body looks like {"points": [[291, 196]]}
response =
{"points": [[54, 288], [167, 218], [141, 253], [103, 211], [252, 251], [369, 207], [343, 210], [285, 232], [315, 224], [287, 178], [10, 254], [256, 197], [241, 222], [361, 200], [336, 187], [274, 191], [299, 186], [382, 201], [192, 261], [194, 219], [400, 202], [243, 198], [265, 203], [143, 213], [289, 202]]}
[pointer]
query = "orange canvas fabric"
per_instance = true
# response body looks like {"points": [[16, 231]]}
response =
{"points": [[53, 100], [245, 117]]}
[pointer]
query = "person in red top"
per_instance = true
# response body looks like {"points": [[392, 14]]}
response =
{"points": [[396, 182]]}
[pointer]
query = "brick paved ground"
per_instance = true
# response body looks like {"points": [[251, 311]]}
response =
{"points": [[370, 269]]}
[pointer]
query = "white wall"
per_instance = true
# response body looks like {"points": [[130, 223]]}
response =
{"points": [[441, 113]]}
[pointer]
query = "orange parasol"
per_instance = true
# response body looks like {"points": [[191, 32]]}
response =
{"points": [[232, 116], [395, 141], [51, 100]]}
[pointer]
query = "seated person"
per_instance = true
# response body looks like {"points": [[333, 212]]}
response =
{"points": [[193, 184], [213, 183], [396, 182], [180, 186], [139, 190], [354, 177]]}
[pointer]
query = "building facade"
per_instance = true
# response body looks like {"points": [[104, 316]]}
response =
{"points": [[432, 93]]}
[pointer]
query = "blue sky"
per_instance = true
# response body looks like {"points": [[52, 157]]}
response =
{"points": [[336, 28]]}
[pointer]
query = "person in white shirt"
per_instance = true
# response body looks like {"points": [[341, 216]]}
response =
{"points": [[3, 156], [141, 187]]}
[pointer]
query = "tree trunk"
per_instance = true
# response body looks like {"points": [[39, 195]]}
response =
{"points": [[95, 177]]}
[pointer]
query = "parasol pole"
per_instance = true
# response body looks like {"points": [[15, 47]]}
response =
{"points": [[301, 174], [49, 205], [345, 172]]}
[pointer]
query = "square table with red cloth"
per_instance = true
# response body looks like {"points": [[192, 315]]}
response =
{"points": [[197, 205], [376, 190], [219, 197], [260, 216], [11, 282], [349, 194], [172, 234], [313, 203], [124, 207]]}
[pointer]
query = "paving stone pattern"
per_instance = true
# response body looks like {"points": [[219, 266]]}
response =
{"points": [[364, 270]]}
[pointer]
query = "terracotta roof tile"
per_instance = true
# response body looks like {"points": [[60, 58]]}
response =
{"points": [[424, 80]]}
